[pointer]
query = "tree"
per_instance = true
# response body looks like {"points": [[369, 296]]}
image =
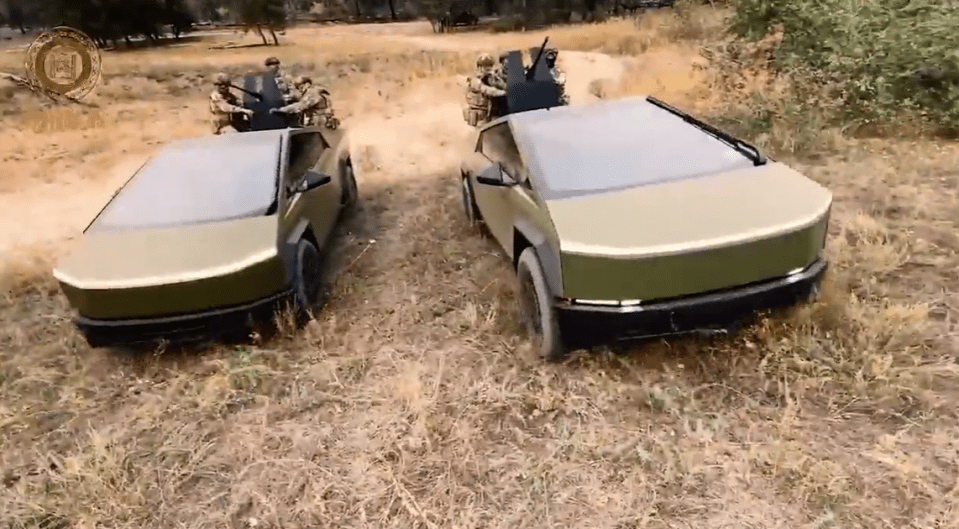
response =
{"points": [[260, 14], [16, 18], [178, 16]]}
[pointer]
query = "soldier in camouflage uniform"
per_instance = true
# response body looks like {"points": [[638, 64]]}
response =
{"points": [[313, 105], [498, 80], [283, 81], [550, 55], [479, 91], [223, 104], [499, 74]]}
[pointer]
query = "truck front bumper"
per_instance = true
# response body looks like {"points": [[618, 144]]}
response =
{"points": [[584, 324], [178, 329]]}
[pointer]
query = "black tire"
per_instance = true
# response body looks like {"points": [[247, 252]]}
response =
{"points": [[350, 192], [308, 281], [93, 341], [469, 204], [536, 306]]}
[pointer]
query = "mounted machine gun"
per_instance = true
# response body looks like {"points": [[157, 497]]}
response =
{"points": [[528, 88], [261, 94]]}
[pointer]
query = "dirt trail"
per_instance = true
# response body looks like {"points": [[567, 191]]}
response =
{"points": [[422, 134], [49, 213]]}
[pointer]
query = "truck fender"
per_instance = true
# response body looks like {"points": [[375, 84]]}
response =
{"points": [[548, 257], [288, 251]]}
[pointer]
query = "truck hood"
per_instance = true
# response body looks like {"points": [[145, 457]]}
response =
{"points": [[692, 214], [135, 258]]}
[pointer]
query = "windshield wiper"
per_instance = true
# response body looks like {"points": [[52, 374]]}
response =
{"points": [[741, 146]]}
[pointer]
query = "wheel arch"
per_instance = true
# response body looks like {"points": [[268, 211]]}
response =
{"points": [[525, 236], [308, 235], [303, 230], [466, 177]]}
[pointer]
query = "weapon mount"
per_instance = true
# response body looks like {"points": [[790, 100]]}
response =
{"points": [[531, 88]]}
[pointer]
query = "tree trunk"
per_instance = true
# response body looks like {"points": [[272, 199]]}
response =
{"points": [[590, 10], [393, 9], [276, 41], [22, 30], [359, 14], [262, 36]]}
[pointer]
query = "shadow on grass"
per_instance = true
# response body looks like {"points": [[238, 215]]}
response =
{"points": [[242, 46]]}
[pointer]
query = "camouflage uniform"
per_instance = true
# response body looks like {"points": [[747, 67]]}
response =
{"points": [[559, 76], [283, 81], [499, 74], [223, 104], [479, 92], [313, 105]]}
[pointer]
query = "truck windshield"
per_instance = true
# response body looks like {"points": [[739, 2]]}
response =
{"points": [[194, 183], [619, 145]]}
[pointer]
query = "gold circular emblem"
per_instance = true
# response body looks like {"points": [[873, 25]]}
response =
{"points": [[64, 61]]}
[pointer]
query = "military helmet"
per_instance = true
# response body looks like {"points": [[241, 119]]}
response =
{"points": [[272, 60], [302, 79], [221, 79], [484, 61]]}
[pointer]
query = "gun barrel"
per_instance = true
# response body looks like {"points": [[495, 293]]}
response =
{"points": [[245, 91], [539, 55]]}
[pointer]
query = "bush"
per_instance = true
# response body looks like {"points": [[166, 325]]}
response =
{"points": [[598, 16], [558, 16], [881, 58], [507, 24], [697, 22]]}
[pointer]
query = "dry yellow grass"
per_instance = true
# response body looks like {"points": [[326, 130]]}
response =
{"points": [[414, 401]]}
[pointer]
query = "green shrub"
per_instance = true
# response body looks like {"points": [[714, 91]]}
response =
{"points": [[558, 16], [882, 58], [507, 24]]}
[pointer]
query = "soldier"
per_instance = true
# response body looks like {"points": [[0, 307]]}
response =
{"points": [[313, 105], [223, 104], [550, 54], [283, 81], [479, 92], [499, 75]]}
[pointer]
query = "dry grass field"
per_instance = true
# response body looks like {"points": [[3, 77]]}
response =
{"points": [[414, 400]]}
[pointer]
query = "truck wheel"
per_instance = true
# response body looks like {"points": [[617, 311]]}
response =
{"points": [[308, 282], [350, 193], [469, 205], [536, 305]]}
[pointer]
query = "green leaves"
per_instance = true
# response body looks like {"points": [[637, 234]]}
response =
{"points": [[873, 49]]}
